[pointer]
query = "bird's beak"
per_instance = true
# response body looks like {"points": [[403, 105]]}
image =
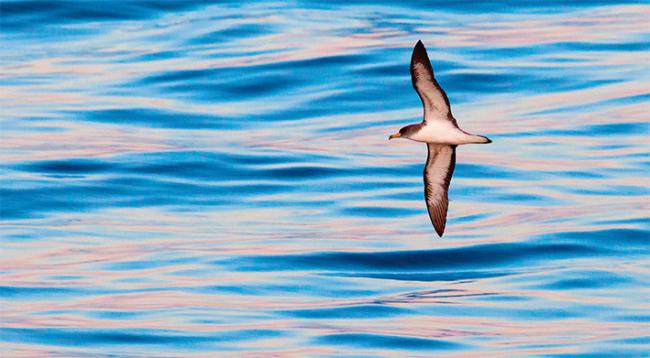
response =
{"points": [[396, 135]]}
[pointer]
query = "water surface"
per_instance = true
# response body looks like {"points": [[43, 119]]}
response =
{"points": [[186, 179]]}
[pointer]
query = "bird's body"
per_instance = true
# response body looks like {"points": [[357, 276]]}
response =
{"points": [[444, 132], [440, 131]]}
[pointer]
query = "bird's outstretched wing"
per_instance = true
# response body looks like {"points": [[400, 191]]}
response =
{"points": [[434, 99], [441, 161]]}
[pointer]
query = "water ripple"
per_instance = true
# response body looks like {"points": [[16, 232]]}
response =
{"points": [[192, 179]]}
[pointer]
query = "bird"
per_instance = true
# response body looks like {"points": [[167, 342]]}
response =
{"points": [[439, 130]]}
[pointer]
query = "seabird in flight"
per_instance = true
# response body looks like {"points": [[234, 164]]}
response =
{"points": [[440, 132]]}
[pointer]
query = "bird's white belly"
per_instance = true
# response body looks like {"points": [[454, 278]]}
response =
{"points": [[441, 132]]}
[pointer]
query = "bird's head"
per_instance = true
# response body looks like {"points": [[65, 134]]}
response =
{"points": [[405, 132]]}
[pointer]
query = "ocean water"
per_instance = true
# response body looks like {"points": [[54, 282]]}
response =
{"points": [[205, 179]]}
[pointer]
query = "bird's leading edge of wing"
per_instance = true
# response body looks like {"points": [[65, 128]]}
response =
{"points": [[441, 161]]}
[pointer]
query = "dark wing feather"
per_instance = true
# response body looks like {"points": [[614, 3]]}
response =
{"points": [[434, 99], [441, 162]]}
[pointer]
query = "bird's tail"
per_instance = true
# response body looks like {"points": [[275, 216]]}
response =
{"points": [[480, 139]]}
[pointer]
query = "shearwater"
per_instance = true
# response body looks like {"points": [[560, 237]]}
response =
{"points": [[440, 131]]}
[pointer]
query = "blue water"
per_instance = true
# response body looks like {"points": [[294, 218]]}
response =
{"points": [[185, 179]]}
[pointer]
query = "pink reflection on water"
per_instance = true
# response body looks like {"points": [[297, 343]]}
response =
{"points": [[81, 140], [614, 21], [88, 253]]}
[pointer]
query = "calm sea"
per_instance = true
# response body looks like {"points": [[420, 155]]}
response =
{"points": [[204, 179]]}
